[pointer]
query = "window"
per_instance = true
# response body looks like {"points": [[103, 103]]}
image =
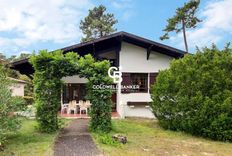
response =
{"points": [[140, 79]]}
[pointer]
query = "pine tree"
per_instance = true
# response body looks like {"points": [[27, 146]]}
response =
{"points": [[185, 17], [97, 24]]}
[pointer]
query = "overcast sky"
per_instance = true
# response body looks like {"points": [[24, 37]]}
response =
{"points": [[32, 25]]}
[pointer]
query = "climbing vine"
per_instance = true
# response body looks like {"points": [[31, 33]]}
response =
{"points": [[50, 67]]}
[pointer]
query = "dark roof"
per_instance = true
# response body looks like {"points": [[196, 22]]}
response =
{"points": [[105, 43], [131, 38]]}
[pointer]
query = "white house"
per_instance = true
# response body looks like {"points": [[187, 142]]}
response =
{"points": [[140, 60], [17, 86]]}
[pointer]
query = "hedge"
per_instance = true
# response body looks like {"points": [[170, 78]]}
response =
{"points": [[195, 94]]}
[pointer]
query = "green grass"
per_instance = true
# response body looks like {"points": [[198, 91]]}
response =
{"points": [[145, 137], [29, 142]]}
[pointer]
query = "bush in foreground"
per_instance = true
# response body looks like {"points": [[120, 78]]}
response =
{"points": [[8, 105], [195, 94]]}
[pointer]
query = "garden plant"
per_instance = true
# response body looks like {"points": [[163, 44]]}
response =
{"points": [[195, 94], [9, 122]]}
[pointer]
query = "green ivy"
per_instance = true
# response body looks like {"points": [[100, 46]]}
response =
{"points": [[50, 68], [195, 94]]}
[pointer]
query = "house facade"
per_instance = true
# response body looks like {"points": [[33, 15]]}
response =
{"points": [[17, 87], [139, 59]]}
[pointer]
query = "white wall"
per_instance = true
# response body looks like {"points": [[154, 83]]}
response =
{"points": [[136, 111], [17, 89], [134, 59]]}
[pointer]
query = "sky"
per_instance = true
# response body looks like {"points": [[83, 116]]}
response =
{"points": [[27, 26]]}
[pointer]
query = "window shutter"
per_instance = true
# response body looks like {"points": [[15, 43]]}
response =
{"points": [[153, 78], [126, 80]]}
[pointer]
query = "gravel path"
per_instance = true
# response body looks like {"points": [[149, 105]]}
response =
{"points": [[75, 140]]}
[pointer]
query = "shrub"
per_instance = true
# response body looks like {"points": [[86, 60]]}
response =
{"points": [[195, 94], [29, 100], [106, 139], [8, 105]]}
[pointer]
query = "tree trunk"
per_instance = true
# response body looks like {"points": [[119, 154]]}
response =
{"points": [[184, 34]]}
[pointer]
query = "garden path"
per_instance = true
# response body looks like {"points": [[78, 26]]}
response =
{"points": [[75, 140]]}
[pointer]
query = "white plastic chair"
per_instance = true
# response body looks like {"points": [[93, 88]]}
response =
{"points": [[64, 107], [72, 107], [88, 104], [83, 106]]}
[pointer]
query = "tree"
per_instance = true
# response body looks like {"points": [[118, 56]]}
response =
{"points": [[185, 17], [7, 60], [195, 94], [20, 57], [97, 24], [8, 104]]}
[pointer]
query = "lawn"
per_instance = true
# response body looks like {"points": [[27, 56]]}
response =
{"points": [[29, 142], [145, 137]]}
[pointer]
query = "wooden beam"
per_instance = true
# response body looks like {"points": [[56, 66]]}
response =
{"points": [[149, 52], [118, 49], [106, 50], [94, 53]]}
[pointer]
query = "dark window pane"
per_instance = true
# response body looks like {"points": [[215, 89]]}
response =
{"points": [[126, 80], [83, 92], [140, 79], [65, 93]]}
